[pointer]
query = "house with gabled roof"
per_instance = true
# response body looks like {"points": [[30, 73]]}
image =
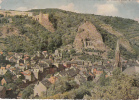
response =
{"points": [[41, 87], [131, 70], [3, 68], [5, 81], [67, 64], [36, 72], [28, 75], [18, 55], [52, 79], [12, 59], [8, 66], [45, 54], [13, 70], [70, 72], [60, 66], [21, 67], [79, 79], [2, 92], [3, 71]]}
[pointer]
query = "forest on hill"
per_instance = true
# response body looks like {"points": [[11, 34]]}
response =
{"points": [[32, 36]]}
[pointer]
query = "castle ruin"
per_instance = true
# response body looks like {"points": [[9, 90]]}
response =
{"points": [[43, 19]]}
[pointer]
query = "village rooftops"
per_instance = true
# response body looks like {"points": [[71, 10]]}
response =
{"points": [[8, 66], [99, 66], [45, 82], [27, 72], [2, 72], [6, 79], [1, 53], [78, 62], [72, 72]]}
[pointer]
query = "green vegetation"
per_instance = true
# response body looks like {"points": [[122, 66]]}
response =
{"points": [[27, 91], [118, 86], [92, 58], [34, 37], [3, 61], [1, 15], [4, 20]]}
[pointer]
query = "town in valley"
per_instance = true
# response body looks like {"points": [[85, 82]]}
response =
{"points": [[57, 54]]}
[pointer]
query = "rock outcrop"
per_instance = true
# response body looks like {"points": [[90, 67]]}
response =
{"points": [[88, 37], [122, 40]]}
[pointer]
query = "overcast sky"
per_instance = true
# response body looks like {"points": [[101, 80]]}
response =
{"points": [[121, 8]]}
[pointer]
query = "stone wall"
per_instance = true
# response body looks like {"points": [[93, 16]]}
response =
{"points": [[43, 19]]}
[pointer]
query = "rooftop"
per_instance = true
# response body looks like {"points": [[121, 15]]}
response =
{"points": [[1, 88], [131, 70]]}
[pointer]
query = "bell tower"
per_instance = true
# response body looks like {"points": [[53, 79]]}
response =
{"points": [[117, 56]]}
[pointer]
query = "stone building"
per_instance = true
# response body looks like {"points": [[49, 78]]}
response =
{"points": [[2, 92], [41, 87], [28, 75], [43, 19]]}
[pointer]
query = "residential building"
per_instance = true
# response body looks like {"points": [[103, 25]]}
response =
{"points": [[5, 81], [28, 75], [2, 92], [131, 70], [3, 71], [41, 87], [52, 79]]}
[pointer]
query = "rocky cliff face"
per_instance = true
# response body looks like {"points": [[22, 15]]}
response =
{"points": [[122, 40], [88, 37]]}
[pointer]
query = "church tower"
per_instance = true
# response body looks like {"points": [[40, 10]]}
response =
{"points": [[40, 17], [117, 55]]}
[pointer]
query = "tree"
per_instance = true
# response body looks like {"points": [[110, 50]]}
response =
{"points": [[27, 91], [116, 72], [18, 81], [72, 51], [121, 87], [102, 79], [11, 86], [8, 75]]}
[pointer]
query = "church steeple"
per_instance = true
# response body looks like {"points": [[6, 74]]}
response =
{"points": [[117, 55]]}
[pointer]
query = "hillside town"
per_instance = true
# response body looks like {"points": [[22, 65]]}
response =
{"points": [[58, 54], [42, 70]]}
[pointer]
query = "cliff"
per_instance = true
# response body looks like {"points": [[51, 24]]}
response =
{"points": [[122, 40], [88, 37]]}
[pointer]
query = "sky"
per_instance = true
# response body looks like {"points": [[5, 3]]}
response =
{"points": [[120, 8]]}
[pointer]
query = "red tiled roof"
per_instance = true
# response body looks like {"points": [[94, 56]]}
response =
{"points": [[2, 67], [8, 66], [27, 72], [1, 52], [21, 64], [44, 51], [90, 74], [10, 57]]}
